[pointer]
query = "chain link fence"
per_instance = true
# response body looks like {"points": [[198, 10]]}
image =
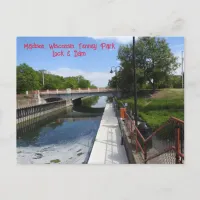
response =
{"points": [[164, 146]]}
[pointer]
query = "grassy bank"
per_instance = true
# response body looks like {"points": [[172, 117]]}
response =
{"points": [[160, 106]]}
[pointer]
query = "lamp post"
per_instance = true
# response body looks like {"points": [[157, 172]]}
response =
{"points": [[115, 70], [135, 84]]}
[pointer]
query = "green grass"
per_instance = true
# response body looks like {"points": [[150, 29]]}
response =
{"points": [[158, 117], [170, 94], [55, 161], [160, 107]]}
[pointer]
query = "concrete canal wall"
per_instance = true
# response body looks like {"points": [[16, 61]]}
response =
{"points": [[31, 112]]}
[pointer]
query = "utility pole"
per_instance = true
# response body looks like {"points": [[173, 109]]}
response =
{"points": [[42, 71], [43, 78], [135, 84], [182, 69]]}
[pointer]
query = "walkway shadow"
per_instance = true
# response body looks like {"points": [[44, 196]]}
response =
{"points": [[116, 153], [111, 126]]}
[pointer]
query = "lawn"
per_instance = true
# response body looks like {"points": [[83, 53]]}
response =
{"points": [[160, 106]]}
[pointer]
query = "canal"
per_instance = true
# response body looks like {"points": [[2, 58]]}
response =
{"points": [[65, 136]]}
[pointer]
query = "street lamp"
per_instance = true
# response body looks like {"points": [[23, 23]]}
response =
{"points": [[115, 70]]}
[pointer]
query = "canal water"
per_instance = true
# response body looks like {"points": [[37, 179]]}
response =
{"points": [[64, 137]]}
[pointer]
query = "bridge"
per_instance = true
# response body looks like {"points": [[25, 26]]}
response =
{"points": [[73, 94], [118, 140]]}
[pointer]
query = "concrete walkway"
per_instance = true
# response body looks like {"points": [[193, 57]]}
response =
{"points": [[107, 148]]}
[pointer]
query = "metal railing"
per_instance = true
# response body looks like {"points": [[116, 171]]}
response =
{"points": [[167, 143], [164, 145], [80, 90]]}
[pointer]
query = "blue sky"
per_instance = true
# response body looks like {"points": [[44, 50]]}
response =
{"points": [[95, 66]]}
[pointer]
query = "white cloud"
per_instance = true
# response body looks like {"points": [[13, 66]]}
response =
{"points": [[179, 55], [100, 79], [119, 39], [118, 62]]}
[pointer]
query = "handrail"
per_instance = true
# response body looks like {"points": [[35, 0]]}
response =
{"points": [[72, 90], [145, 141], [158, 129], [140, 147], [178, 120], [140, 134]]}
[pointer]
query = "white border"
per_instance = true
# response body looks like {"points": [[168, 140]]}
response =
{"points": [[98, 17]]}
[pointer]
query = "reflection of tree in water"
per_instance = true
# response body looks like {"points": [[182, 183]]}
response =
{"points": [[56, 123], [90, 101]]}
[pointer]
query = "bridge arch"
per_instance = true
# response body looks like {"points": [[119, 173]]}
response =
{"points": [[52, 99]]}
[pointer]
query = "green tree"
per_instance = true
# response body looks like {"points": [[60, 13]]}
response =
{"points": [[27, 79], [71, 82], [154, 63], [155, 59]]}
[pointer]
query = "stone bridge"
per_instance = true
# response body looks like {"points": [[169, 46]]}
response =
{"points": [[74, 95]]}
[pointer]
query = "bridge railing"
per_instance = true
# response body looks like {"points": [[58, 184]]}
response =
{"points": [[80, 90]]}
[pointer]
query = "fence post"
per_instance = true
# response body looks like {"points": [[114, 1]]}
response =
{"points": [[136, 139], [47, 91], [57, 91], [177, 143], [26, 92], [79, 90], [145, 153]]}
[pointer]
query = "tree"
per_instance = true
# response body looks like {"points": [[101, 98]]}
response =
{"points": [[27, 79], [71, 82], [154, 62], [155, 59]]}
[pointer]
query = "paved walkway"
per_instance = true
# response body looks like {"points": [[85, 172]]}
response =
{"points": [[107, 148]]}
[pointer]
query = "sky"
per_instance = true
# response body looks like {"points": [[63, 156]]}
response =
{"points": [[93, 64]]}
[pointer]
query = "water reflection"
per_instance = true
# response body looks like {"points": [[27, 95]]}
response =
{"points": [[65, 136]]}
